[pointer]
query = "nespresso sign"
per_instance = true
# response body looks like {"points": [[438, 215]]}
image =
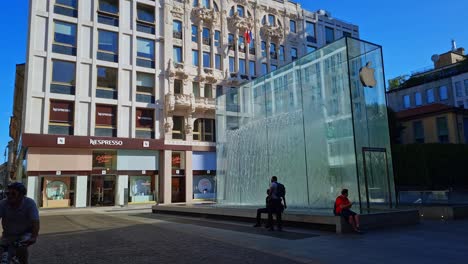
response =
{"points": [[105, 142]]}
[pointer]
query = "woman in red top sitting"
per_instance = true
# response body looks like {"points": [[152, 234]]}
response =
{"points": [[343, 205]]}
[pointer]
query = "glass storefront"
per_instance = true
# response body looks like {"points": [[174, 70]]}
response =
{"points": [[58, 192], [204, 187], [140, 190], [319, 124]]}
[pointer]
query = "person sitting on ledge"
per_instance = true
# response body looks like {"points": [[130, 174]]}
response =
{"points": [[261, 211], [343, 208]]}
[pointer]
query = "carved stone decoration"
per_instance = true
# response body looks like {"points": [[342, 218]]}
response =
{"points": [[168, 125], [170, 69], [170, 103], [272, 32], [177, 12], [241, 2], [207, 16], [188, 129], [241, 23]]}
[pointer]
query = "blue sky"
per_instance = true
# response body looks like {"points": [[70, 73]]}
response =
{"points": [[409, 31]]}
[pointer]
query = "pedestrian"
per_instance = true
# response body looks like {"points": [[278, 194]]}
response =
{"points": [[343, 208], [277, 203], [261, 211]]}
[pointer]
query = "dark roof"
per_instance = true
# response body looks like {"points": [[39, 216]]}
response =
{"points": [[427, 110]]}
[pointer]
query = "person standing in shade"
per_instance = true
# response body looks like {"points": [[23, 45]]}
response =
{"points": [[343, 208], [277, 193]]}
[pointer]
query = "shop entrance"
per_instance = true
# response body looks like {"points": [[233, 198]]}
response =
{"points": [[101, 191], [178, 189], [377, 190]]}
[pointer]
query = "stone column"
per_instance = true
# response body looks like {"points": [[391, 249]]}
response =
{"points": [[188, 177], [81, 191], [167, 177], [33, 188]]}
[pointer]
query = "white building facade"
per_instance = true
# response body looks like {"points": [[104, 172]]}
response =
{"points": [[119, 95]]}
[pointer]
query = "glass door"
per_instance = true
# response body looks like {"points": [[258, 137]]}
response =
{"points": [[178, 189], [102, 190], [376, 178]]}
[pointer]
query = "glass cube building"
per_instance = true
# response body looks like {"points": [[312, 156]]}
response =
{"points": [[319, 124]]}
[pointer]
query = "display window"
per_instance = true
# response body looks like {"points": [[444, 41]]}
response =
{"points": [[58, 192], [140, 189], [204, 187]]}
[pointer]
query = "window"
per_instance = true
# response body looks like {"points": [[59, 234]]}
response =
{"points": [[219, 91], [271, 20], [240, 11], [466, 87], [310, 49], [241, 44], [106, 121], [310, 32], [218, 62], [231, 64], [195, 3], [61, 117], [177, 29], [106, 83], [108, 12], [292, 26], [195, 58], [194, 33], [178, 87], [217, 38], [443, 93], [206, 3], [204, 130], [347, 34], [418, 99], [293, 54], [281, 53], [264, 49], [252, 46], [329, 35], [418, 132], [458, 89], [108, 46], [64, 38], [273, 54], [406, 101], [252, 69], [177, 54], [63, 77], [442, 130], [66, 7], [231, 42], [430, 96], [264, 68], [242, 69], [145, 88], [206, 60], [196, 89], [145, 53], [144, 123], [206, 36], [145, 19], [178, 127], [208, 91], [273, 67]]}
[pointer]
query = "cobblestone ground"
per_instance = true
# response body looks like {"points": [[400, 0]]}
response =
{"points": [[87, 236]]}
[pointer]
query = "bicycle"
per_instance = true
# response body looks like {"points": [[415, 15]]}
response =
{"points": [[9, 249]]}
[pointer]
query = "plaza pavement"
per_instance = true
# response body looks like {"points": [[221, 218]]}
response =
{"points": [[135, 235]]}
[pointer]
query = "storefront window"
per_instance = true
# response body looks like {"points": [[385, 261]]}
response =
{"points": [[204, 187], [140, 189], [58, 192], [104, 159], [178, 160]]}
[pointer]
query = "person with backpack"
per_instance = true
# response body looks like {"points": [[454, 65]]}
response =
{"points": [[278, 195]]}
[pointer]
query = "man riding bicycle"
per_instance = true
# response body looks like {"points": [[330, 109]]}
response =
{"points": [[20, 219]]}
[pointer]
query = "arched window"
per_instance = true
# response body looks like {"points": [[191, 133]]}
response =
{"points": [[271, 20], [231, 12], [206, 4], [240, 11]]}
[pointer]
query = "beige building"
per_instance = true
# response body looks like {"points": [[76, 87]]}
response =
{"points": [[118, 98]]}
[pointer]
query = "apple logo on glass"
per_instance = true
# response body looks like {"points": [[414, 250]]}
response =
{"points": [[367, 76]]}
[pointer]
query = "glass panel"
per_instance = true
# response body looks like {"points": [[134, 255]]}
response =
{"points": [[231, 65], [292, 26], [240, 11], [196, 89], [145, 48], [310, 32], [108, 41], [109, 6], [145, 13], [252, 70], [418, 99], [178, 54], [217, 38], [194, 33], [195, 58], [65, 33], [443, 93], [140, 189], [442, 130], [297, 122], [218, 62], [242, 66], [329, 35], [430, 96], [63, 72], [206, 59]]}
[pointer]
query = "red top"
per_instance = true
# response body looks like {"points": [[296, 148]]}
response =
{"points": [[341, 200]]}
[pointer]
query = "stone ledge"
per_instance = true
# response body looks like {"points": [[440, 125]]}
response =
{"points": [[320, 220]]}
